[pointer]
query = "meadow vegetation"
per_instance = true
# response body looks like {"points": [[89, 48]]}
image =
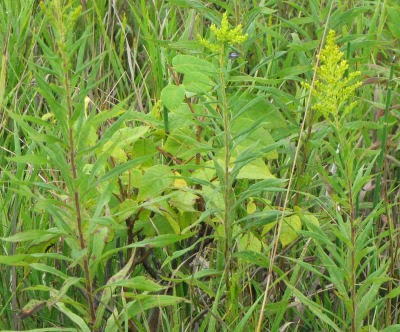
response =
{"points": [[188, 165]]}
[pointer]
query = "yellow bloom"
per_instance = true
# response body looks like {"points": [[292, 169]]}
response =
{"points": [[333, 88], [224, 35]]}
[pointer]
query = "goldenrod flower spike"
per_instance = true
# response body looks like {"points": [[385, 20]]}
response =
{"points": [[224, 36], [333, 90]]}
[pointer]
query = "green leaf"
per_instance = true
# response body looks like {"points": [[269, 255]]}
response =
{"points": [[248, 241], [308, 218], [162, 240], [183, 200], [121, 139], [140, 283], [197, 82], [145, 302], [252, 257], [99, 237], [242, 326], [187, 64], [73, 317], [182, 143], [125, 209], [315, 308], [255, 170], [58, 295], [154, 242], [48, 269], [142, 148], [32, 235], [172, 96], [156, 179], [392, 328], [394, 293], [32, 159], [116, 171], [258, 110], [290, 229], [50, 329], [108, 290]]}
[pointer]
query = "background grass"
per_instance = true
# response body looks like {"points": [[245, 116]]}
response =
{"points": [[116, 212]]}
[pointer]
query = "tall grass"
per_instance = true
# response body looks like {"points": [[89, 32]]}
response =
{"points": [[152, 180]]}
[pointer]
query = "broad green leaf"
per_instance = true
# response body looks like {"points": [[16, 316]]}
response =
{"points": [[88, 136], [125, 209], [255, 170], [172, 96], [256, 109], [121, 139], [181, 118], [213, 197], [182, 144], [156, 179], [183, 200], [187, 64], [118, 154], [248, 241], [144, 147], [290, 229], [253, 133], [206, 172], [111, 324], [116, 171], [308, 218], [251, 207], [197, 82]]}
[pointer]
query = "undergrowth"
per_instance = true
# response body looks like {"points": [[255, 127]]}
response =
{"points": [[199, 166]]}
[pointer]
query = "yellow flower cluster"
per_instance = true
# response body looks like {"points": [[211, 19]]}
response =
{"points": [[333, 88], [224, 36]]}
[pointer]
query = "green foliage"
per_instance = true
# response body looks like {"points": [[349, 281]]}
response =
{"points": [[143, 171]]}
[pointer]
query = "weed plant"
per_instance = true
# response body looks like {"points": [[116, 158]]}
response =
{"points": [[199, 166]]}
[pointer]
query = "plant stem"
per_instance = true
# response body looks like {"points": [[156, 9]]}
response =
{"points": [[227, 179], [78, 209], [352, 236]]}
